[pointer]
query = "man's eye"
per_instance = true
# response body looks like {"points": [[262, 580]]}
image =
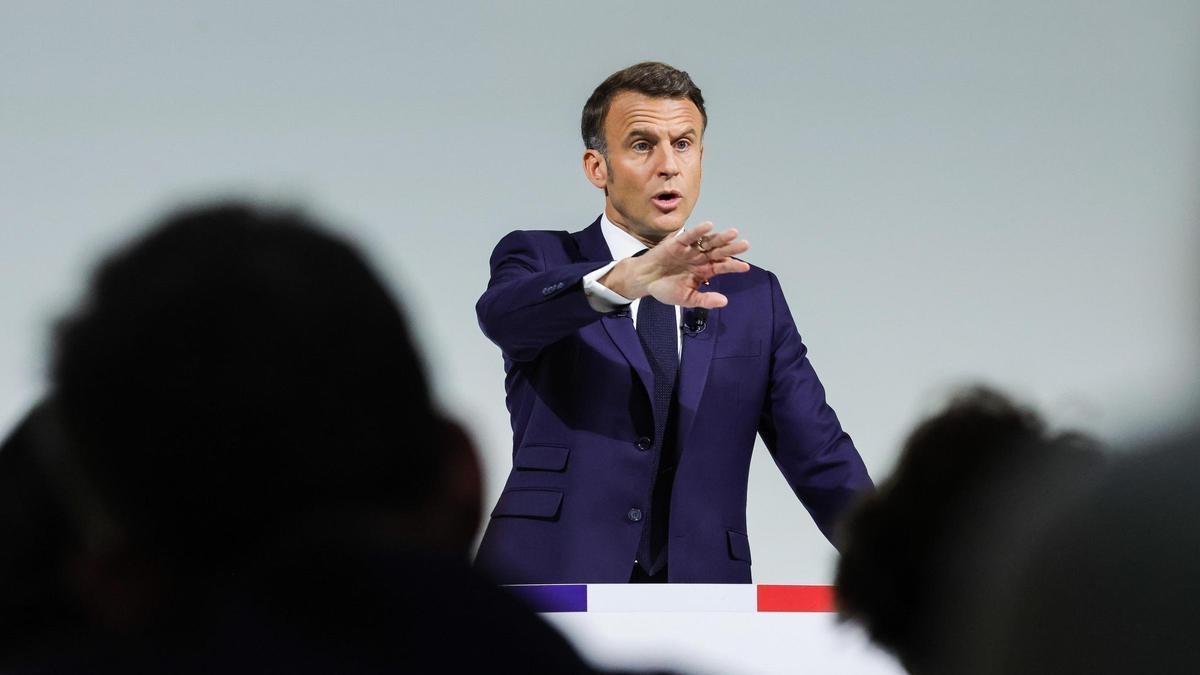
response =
{"points": [[683, 144], [641, 146]]}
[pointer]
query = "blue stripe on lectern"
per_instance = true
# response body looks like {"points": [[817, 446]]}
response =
{"points": [[553, 598]]}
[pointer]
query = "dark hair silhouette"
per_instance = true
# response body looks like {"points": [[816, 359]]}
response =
{"points": [[909, 550], [1113, 586], [235, 370], [654, 79], [40, 541]]}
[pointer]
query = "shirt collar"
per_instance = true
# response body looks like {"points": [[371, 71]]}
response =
{"points": [[620, 243]]}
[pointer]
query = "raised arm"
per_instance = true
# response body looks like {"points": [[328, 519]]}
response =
{"points": [[676, 270], [529, 305]]}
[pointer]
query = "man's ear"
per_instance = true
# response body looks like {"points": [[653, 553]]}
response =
{"points": [[595, 168]]}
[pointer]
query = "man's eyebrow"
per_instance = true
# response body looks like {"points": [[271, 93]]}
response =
{"points": [[652, 134], [641, 132]]}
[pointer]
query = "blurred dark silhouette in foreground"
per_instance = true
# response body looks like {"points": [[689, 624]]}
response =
{"points": [[1114, 586], [926, 557], [240, 469], [38, 542]]}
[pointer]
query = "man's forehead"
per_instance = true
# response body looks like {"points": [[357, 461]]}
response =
{"points": [[632, 110]]}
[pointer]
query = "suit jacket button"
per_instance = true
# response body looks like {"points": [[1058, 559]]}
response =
{"points": [[634, 515], [643, 443], [547, 290]]}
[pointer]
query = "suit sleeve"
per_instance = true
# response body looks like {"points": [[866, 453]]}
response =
{"points": [[802, 432], [529, 305]]}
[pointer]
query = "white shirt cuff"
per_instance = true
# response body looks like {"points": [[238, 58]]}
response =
{"points": [[599, 296]]}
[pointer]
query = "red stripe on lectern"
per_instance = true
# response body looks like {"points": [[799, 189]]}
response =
{"points": [[776, 598]]}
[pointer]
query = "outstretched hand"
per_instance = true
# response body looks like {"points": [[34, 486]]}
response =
{"points": [[675, 271]]}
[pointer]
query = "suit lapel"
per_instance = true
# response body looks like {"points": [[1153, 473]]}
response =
{"points": [[620, 328], [618, 325]]}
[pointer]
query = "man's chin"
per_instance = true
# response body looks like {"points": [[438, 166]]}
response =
{"points": [[658, 226], [668, 223]]}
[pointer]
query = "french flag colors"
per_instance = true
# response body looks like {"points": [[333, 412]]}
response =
{"points": [[675, 597]]}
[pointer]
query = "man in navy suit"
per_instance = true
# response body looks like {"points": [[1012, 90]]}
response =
{"points": [[641, 359]]}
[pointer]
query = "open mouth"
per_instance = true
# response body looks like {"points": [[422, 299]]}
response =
{"points": [[667, 200]]}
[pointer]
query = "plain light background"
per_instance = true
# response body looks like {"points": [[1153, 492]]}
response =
{"points": [[948, 191]]}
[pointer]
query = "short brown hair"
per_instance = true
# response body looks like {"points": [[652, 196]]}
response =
{"points": [[650, 78]]}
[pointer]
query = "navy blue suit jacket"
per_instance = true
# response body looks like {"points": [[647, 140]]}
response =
{"points": [[579, 394]]}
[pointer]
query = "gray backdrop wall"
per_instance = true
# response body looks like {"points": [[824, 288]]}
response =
{"points": [[949, 191]]}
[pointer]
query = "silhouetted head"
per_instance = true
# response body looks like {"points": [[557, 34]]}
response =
{"points": [[911, 550], [236, 371], [1114, 585], [40, 543]]}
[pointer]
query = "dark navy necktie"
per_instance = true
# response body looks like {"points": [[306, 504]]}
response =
{"points": [[659, 336]]}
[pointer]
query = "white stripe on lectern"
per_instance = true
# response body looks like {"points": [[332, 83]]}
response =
{"points": [[672, 598]]}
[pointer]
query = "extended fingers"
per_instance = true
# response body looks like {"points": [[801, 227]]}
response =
{"points": [[719, 245], [721, 238], [728, 250], [729, 266], [713, 240], [690, 237]]}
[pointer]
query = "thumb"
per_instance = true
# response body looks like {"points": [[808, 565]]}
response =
{"points": [[710, 300]]}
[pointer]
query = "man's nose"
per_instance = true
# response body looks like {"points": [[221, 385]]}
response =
{"points": [[668, 165]]}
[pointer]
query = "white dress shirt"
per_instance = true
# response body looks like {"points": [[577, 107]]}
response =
{"points": [[603, 299]]}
